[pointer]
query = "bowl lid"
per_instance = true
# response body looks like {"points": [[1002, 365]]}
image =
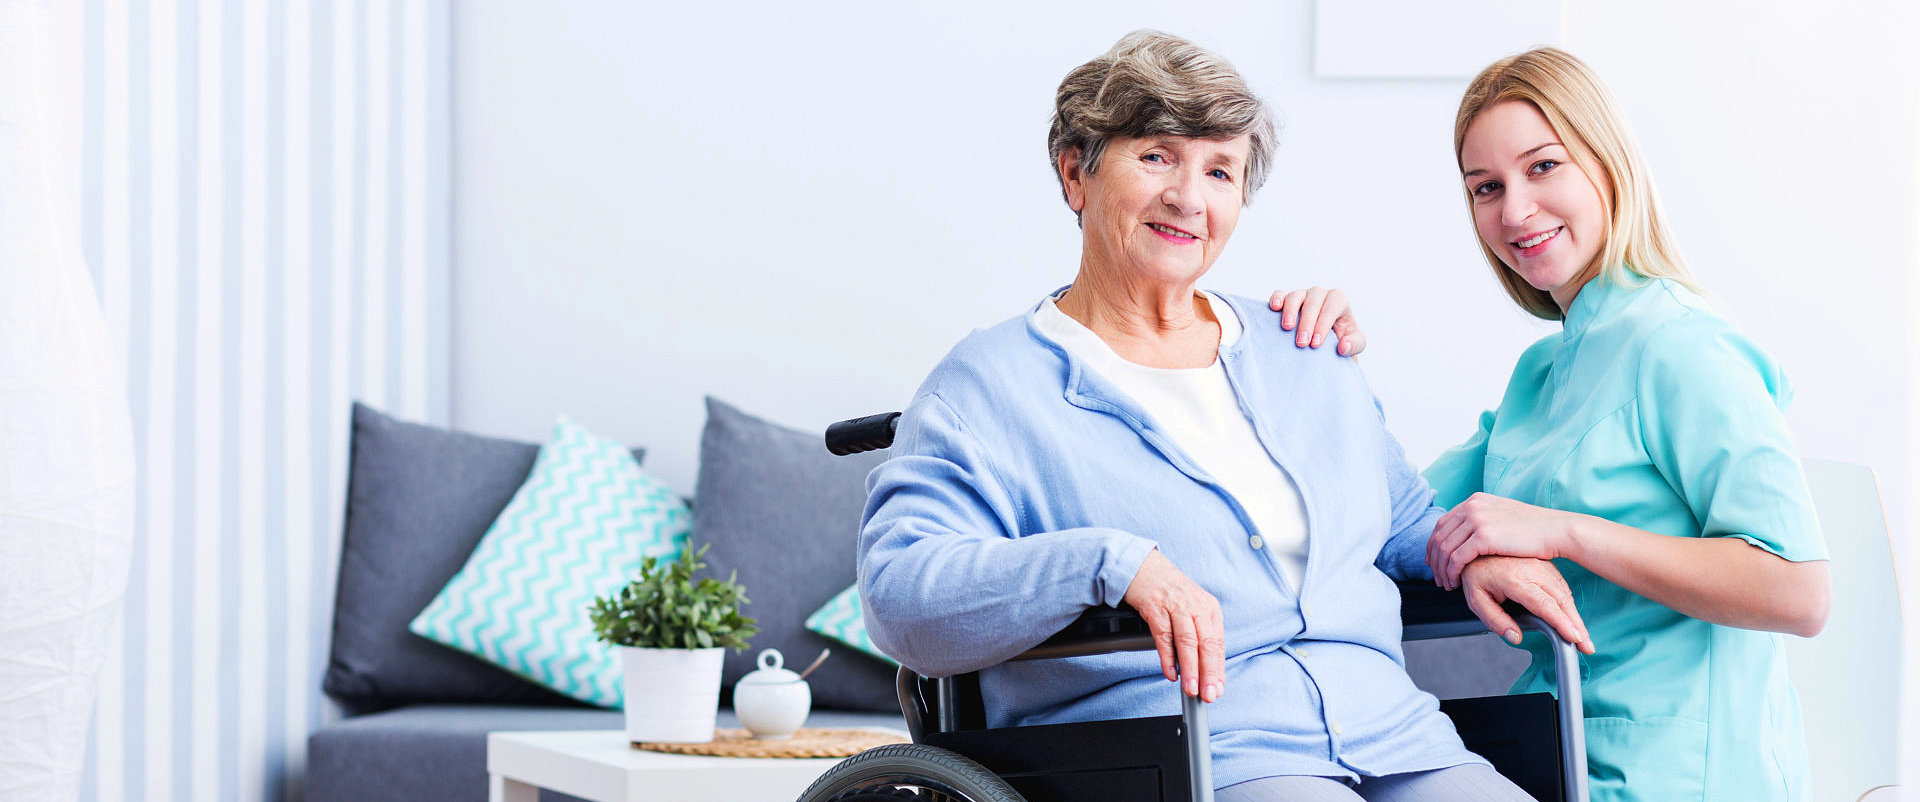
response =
{"points": [[770, 671]]}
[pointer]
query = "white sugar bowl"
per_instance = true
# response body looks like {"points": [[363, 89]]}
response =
{"points": [[772, 702]]}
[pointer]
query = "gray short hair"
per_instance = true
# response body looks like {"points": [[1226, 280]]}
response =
{"points": [[1156, 84]]}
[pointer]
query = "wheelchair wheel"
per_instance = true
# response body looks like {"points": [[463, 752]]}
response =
{"points": [[909, 773]]}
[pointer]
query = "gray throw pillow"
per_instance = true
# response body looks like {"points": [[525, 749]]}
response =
{"points": [[418, 500], [785, 514]]}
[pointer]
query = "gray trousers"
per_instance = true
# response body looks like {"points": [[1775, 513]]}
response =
{"points": [[1468, 783]]}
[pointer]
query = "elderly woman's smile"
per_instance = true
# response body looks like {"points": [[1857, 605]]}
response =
{"points": [[1160, 208], [1171, 233]]}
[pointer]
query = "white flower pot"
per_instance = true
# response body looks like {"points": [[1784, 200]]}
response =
{"points": [[672, 695]]}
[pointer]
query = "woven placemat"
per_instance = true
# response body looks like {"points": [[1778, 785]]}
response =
{"points": [[808, 742]]}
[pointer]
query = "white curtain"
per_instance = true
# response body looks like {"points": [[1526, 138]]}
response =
{"points": [[66, 459]]}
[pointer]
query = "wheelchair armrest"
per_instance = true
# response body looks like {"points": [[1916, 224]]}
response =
{"points": [[1426, 612], [1099, 630]]}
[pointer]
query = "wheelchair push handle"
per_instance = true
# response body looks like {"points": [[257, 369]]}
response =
{"points": [[871, 433]]}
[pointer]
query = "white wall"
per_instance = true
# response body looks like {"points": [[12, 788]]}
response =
{"points": [[799, 208]]}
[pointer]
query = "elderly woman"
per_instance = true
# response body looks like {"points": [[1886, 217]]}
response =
{"points": [[1131, 439]]}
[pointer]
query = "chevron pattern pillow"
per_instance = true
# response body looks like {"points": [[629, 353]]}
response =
{"points": [[843, 620], [576, 530]]}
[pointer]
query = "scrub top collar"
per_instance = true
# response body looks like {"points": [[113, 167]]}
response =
{"points": [[1594, 300]]}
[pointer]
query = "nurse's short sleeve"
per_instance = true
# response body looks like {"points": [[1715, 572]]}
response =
{"points": [[1709, 403]]}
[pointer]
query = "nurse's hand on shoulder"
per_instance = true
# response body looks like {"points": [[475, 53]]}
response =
{"points": [[1311, 313], [1532, 583], [1490, 524], [1186, 625]]}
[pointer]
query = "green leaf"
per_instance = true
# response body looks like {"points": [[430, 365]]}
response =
{"points": [[666, 607]]}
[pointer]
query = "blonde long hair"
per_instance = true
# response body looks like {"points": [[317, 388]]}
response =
{"points": [[1584, 115]]}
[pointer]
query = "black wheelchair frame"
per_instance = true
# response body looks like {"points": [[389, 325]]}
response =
{"points": [[1535, 740]]}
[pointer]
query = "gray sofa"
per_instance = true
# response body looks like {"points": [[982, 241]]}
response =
{"points": [[775, 508]]}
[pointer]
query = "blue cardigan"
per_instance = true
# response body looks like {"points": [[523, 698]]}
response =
{"points": [[1024, 488]]}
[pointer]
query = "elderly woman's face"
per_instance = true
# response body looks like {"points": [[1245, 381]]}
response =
{"points": [[1161, 207]]}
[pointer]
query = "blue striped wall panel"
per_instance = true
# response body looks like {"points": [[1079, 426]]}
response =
{"points": [[263, 195]]}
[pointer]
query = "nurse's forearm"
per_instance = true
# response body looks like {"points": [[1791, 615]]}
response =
{"points": [[1724, 580]]}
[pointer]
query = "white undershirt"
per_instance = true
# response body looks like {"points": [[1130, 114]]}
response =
{"points": [[1196, 407]]}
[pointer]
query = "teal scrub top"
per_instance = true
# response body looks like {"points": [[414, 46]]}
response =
{"points": [[1649, 410]]}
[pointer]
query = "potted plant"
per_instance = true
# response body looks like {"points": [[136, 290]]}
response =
{"points": [[671, 631]]}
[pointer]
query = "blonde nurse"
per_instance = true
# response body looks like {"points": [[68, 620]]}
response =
{"points": [[1641, 449]]}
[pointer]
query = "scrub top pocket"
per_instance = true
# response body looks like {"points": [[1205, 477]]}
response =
{"points": [[1661, 758]]}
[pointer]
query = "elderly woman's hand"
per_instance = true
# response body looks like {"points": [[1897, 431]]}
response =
{"points": [[1490, 524], [1533, 584], [1185, 621], [1311, 313]]}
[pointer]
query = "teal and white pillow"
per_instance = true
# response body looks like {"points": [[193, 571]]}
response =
{"points": [[575, 531], [843, 620]]}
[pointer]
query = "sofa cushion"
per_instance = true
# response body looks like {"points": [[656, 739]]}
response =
{"points": [[426, 751], [439, 752], [418, 499], [785, 515], [574, 532]]}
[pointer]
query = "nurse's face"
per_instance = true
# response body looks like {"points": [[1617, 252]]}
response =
{"points": [[1532, 205]]}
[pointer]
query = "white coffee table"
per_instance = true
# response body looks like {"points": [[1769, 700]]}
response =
{"points": [[600, 765]]}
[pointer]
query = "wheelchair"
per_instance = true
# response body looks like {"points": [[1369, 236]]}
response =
{"points": [[1535, 740]]}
